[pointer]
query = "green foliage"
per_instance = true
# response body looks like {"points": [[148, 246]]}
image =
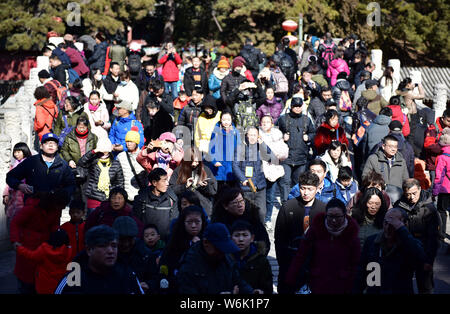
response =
{"points": [[416, 32]]}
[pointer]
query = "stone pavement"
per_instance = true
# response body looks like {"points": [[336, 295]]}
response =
{"points": [[8, 282]]}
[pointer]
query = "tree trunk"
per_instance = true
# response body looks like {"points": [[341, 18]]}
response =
{"points": [[170, 23]]}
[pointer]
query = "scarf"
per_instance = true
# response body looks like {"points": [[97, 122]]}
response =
{"points": [[369, 220], [163, 159], [93, 108], [81, 135], [339, 231], [103, 179]]}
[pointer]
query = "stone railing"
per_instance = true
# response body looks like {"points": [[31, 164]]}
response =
{"points": [[16, 125]]}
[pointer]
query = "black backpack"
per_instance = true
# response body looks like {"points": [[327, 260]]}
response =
{"points": [[134, 63], [251, 59], [285, 63]]}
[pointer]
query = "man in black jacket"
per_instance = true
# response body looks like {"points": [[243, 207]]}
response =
{"points": [[44, 172], [58, 69], [134, 254], [388, 259], [316, 107], [423, 223], [298, 132], [195, 76], [155, 120], [98, 271], [293, 221], [157, 204], [111, 82]]}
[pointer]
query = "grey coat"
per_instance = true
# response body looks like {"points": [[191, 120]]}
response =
{"points": [[376, 131], [379, 163]]}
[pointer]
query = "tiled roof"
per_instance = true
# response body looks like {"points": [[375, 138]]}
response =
{"points": [[430, 77]]}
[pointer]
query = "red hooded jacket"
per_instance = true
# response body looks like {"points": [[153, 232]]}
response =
{"points": [[431, 144], [76, 236], [51, 265], [325, 134], [31, 227], [334, 261]]}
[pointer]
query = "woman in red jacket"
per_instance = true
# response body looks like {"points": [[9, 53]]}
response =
{"points": [[331, 243], [395, 104], [31, 227], [170, 71], [329, 131], [51, 259]]}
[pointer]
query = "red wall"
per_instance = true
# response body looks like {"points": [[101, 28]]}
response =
{"points": [[16, 65]]}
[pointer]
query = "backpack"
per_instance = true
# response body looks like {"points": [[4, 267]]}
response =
{"points": [[286, 65], [71, 76], [345, 103], [67, 129], [245, 112], [280, 81], [134, 63], [251, 59], [107, 61], [60, 91], [328, 54]]}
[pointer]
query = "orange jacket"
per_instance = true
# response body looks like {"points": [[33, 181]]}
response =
{"points": [[51, 265], [46, 114]]}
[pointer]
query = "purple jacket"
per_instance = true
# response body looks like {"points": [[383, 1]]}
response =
{"points": [[77, 61], [335, 67], [442, 181], [270, 107]]}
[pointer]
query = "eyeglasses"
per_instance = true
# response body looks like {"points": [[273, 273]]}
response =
{"points": [[335, 217], [235, 203]]}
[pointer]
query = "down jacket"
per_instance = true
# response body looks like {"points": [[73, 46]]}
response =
{"points": [[31, 227], [335, 67], [71, 147], [131, 184], [89, 162], [442, 180], [51, 264], [46, 114], [158, 210]]}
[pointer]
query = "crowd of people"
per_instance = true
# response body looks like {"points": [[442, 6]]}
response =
{"points": [[171, 166]]}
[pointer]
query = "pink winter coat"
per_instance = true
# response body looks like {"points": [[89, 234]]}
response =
{"points": [[335, 67], [15, 202], [442, 181], [149, 161]]}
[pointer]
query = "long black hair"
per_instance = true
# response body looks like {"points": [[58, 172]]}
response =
{"points": [[402, 84], [360, 210], [180, 240]]}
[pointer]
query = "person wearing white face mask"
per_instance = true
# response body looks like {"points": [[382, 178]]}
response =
{"points": [[127, 90], [93, 82]]}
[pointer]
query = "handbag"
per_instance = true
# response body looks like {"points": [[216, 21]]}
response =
{"points": [[141, 178]]}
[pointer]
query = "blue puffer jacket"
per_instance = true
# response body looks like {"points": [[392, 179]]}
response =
{"points": [[214, 85], [250, 161], [222, 148], [121, 126], [329, 191]]}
